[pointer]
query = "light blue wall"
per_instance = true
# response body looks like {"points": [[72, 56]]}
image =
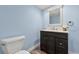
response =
{"points": [[21, 20], [45, 19], [72, 13]]}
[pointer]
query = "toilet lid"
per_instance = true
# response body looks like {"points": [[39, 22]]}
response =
{"points": [[22, 52]]}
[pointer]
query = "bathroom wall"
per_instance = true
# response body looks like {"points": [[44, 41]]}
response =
{"points": [[45, 18], [21, 20], [71, 13]]}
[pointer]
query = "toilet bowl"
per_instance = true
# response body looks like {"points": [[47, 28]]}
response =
{"points": [[13, 45]]}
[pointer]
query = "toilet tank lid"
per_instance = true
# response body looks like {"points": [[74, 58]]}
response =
{"points": [[12, 39]]}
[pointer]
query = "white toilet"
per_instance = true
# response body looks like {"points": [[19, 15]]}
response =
{"points": [[13, 45]]}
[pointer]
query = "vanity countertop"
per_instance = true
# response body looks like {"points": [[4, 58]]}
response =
{"points": [[61, 31]]}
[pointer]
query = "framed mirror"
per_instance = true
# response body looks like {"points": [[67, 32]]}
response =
{"points": [[56, 15]]}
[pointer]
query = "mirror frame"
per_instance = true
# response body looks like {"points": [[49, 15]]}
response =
{"points": [[61, 14]]}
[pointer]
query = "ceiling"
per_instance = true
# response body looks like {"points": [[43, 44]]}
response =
{"points": [[43, 7], [55, 12], [52, 12]]}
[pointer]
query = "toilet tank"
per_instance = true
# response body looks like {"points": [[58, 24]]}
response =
{"points": [[12, 45]]}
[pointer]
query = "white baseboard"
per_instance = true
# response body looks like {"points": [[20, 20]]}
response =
{"points": [[32, 48]]}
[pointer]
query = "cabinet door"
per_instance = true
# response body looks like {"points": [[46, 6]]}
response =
{"points": [[44, 44], [61, 46], [51, 45]]}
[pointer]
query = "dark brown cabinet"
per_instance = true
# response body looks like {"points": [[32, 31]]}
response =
{"points": [[54, 42]]}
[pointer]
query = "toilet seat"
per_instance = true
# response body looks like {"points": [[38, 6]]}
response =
{"points": [[22, 52]]}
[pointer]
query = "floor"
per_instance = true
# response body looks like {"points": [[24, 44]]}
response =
{"points": [[37, 51]]}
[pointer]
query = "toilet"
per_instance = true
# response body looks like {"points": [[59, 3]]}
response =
{"points": [[13, 45]]}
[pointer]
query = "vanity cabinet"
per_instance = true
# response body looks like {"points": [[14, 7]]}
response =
{"points": [[54, 42]]}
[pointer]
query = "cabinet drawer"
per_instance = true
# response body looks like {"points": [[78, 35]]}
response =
{"points": [[61, 51], [62, 35], [43, 33], [61, 46], [61, 42]]}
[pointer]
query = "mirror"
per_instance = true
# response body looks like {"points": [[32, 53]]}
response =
{"points": [[55, 15]]}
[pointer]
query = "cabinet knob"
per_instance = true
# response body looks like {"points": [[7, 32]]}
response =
{"points": [[61, 43]]}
